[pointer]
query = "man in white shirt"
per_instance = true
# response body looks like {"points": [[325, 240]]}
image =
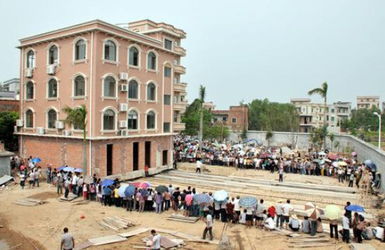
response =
{"points": [[345, 228], [269, 223], [287, 208], [237, 208], [198, 166], [67, 241], [74, 184], [259, 213], [278, 210], [155, 242], [209, 226]]}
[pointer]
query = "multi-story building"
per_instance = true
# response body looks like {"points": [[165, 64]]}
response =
{"points": [[236, 118], [9, 89], [312, 115], [368, 102], [127, 78]]}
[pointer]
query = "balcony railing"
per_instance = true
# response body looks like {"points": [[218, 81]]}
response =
{"points": [[180, 51], [178, 126], [179, 69], [180, 87]]}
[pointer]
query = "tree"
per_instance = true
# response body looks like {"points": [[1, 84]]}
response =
{"points": [[269, 135], [323, 92], [7, 124], [191, 118], [318, 136], [331, 138], [78, 118]]}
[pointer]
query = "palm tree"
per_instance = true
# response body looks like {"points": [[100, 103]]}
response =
{"points": [[202, 95], [78, 118], [323, 92]]}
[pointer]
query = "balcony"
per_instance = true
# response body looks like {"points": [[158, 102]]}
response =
{"points": [[178, 126], [180, 87], [180, 51], [179, 69], [180, 106]]}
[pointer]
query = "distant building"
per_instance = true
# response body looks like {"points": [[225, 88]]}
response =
{"points": [[312, 115], [10, 89], [367, 102], [236, 118]]}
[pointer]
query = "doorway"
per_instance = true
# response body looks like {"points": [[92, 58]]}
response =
{"points": [[165, 158], [135, 156], [109, 159], [147, 153]]}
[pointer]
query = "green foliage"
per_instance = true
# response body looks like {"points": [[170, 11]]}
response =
{"points": [[362, 119], [77, 117], [244, 134], [7, 123], [269, 134], [191, 118], [272, 116], [323, 91], [318, 136], [216, 131]]}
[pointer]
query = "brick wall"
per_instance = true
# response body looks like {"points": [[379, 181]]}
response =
{"points": [[9, 105], [240, 115]]}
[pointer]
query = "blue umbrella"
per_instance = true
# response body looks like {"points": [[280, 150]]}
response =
{"points": [[61, 168], [220, 195], [36, 160], [130, 190], [355, 208], [370, 164], [144, 192], [248, 201], [107, 182], [68, 169], [78, 170], [202, 198]]}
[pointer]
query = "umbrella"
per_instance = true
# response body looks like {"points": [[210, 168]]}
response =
{"points": [[355, 208], [188, 198], [135, 184], [202, 198], [220, 195], [342, 164], [68, 169], [354, 154], [61, 168], [321, 153], [144, 185], [333, 212], [248, 201], [22, 167], [122, 189], [130, 190], [143, 192], [312, 211], [332, 156], [370, 164], [264, 156], [335, 164], [78, 170], [107, 182], [36, 160], [161, 189]]}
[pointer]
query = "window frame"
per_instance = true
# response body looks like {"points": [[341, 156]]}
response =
{"points": [[155, 120], [172, 43], [33, 118], [137, 89], [156, 61], [164, 99], [139, 56], [74, 89], [57, 89], [156, 90], [137, 119], [114, 130], [48, 54], [116, 87], [34, 58], [75, 41], [26, 91], [47, 118], [116, 51], [164, 70]]}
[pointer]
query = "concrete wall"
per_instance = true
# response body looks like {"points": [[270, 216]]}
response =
{"points": [[301, 140], [5, 168]]}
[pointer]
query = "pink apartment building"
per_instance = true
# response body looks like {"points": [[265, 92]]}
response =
{"points": [[128, 77]]}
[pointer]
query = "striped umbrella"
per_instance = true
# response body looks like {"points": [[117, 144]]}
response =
{"points": [[312, 211], [202, 198], [248, 201]]}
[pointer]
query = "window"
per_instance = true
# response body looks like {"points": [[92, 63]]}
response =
{"points": [[234, 120], [53, 55], [168, 44], [29, 91], [167, 71], [151, 61], [176, 116], [80, 50], [151, 92], [52, 117], [30, 59], [133, 57], [29, 119], [109, 120], [52, 88], [167, 99], [166, 127], [151, 120], [133, 89], [79, 86], [132, 120], [109, 87], [109, 50]]}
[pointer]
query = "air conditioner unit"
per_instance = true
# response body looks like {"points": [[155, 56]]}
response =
{"points": [[59, 124], [19, 123], [40, 130], [123, 132], [29, 72], [67, 132], [123, 76], [123, 124], [123, 107], [51, 69], [124, 87]]}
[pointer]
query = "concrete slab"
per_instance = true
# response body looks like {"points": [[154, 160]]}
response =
{"points": [[357, 246], [107, 240]]}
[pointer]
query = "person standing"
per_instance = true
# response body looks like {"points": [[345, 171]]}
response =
{"points": [[67, 184], [198, 166], [287, 208], [361, 226], [209, 226], [158, 202], [333, 228], [67, 241], [345, 228], [155, 242], [280, 173]]}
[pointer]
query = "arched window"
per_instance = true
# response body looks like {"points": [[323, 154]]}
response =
{"points": [[79, 86], [151, 92], [52, 88], [132, 120], [53, 55], [151, 61], [151, 120], [133, 89], [110, 50], [80, 50], [133, 57], [29, 119], [109, 87], [109, 120], [31, 59], [29, 91], [52, 117]]}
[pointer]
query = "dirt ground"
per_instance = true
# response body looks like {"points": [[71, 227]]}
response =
{"points": [[40, 227]]}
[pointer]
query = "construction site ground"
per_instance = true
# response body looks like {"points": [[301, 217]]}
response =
{"points": [[40, 227]]}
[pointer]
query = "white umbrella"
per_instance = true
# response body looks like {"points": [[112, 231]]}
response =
{"points": [[121, 189]]}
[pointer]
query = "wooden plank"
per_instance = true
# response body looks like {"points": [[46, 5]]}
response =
{"points": [[311, 246], [181, 220], [108, 226], [360, 246], [107, 240], [134, 232]]}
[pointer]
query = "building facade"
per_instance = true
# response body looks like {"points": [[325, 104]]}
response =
{"points": [[236, 118], [368, 102], [129, 80], [312, 115], [9, 90]]}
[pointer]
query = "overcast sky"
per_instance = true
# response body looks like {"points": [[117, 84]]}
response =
{"points": [[240, 50]]}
